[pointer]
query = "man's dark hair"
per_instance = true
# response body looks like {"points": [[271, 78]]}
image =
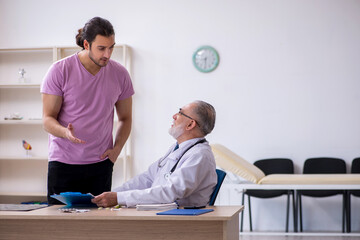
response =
{"points": [[95, 26]]}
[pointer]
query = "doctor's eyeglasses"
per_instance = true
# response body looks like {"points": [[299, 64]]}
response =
{"points": [[181, 113]]}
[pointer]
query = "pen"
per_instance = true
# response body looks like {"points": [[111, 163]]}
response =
{"points": [[115, 209], [194, 207]]}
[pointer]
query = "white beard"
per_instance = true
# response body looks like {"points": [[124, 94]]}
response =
{"points": [[177, 131]]}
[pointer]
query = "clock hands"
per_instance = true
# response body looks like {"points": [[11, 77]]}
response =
{"points": [[205, 66]]}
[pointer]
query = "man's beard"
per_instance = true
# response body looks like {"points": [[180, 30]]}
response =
{"points": [[176, 131], [96, 62]]}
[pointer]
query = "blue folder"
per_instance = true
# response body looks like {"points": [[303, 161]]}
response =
{"points": [[75, 199], [188, 212]]}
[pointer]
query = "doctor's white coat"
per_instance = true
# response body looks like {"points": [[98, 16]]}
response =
{"points": [[191, 183]]}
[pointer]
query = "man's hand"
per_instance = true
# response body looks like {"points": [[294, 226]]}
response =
{"points": [[112, 154], [106, 199], [70, 134]]}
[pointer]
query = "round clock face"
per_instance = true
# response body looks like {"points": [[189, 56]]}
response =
{"points": [[206, 59]]}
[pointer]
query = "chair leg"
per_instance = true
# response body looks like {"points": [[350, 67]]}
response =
{"points": [[242, 212], [300, 212], [348, 196], [294, 211], [287, 212], [250, 220], [344, 211]]}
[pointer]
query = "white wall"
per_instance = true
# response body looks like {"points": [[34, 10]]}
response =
{"points": [[287, 84]]}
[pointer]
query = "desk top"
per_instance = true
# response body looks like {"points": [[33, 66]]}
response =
{"points": [[220, 213]]}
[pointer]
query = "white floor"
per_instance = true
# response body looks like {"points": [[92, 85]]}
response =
{"points": [[298, 236], [254, 237]]}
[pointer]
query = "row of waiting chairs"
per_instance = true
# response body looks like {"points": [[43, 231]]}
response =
{"points": [[311, 166]]}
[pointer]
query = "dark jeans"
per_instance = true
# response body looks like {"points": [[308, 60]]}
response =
{"points": [[89, 178]]}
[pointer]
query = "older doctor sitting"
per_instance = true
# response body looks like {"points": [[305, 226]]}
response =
{"points": [[186, 174]]}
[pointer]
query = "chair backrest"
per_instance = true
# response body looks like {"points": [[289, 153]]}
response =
{"points": [[355, 166], [324, 165], [275, 165], [220, 178]]}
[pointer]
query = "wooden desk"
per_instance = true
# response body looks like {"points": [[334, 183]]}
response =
{"points": [[50, 223]]}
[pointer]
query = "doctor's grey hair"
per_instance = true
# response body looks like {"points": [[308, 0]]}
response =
{"points": [[206, 116]]}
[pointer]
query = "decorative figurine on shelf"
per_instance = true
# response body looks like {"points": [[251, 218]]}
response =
{"points": [[14, 116], [27, 147], [22, 73]]}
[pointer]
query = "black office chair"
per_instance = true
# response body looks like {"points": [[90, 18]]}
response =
{"points": [[271, 166], [220, 178], [355, 168], [323, 165]]}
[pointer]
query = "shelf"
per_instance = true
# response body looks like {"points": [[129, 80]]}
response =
{"points": [[26, 49], [21, 122], [32, 158], [32, 49], [21, 194], [20, 85]]}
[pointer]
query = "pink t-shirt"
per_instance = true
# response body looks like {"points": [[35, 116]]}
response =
{"points": [[88, 104]]}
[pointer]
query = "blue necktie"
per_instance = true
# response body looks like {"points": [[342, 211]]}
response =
{"points": [[176, 147]]}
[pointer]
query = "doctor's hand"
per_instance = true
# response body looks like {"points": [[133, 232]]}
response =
{"points": [[71, 136], [106, 199]]}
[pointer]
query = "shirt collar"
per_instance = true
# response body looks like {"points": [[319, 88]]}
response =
{"points": [[189, 142]]}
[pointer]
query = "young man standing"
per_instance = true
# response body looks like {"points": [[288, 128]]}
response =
{"points": [[79, 94]]}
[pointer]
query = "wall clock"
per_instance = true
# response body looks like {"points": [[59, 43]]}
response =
{"points": [[206, 59]]}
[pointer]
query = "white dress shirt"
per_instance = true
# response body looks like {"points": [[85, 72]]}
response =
{"points": [[191, 183]]}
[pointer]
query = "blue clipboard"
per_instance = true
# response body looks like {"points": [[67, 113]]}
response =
{"points": [[187, 212], [77, 199]]}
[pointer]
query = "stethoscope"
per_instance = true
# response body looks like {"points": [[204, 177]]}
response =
{"points": [[167, 175]]}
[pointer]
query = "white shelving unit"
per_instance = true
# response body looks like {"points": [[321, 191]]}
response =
{"points": [[21, 122], [23, 177], [20, 85]]}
